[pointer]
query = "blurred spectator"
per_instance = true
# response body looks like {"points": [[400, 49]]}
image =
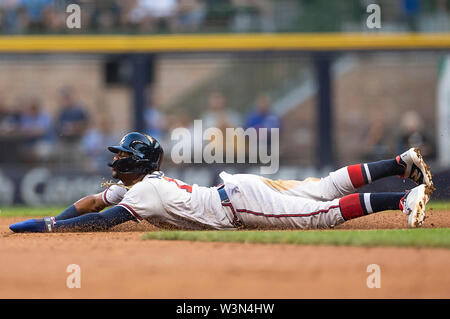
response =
{"points": [[154, 16], [262, 116], [36, 130], [35, 123], [10, 119], [54, 17], [10, 138], [218, 114], [155, 121], [106, 15], [73, 120], [94, 141], [71, 124], [411, 11], [35, 12], [413, 134], [190, 15], [219, 13], [11, 17], [253, 15], [441, 19], [3, 110]]}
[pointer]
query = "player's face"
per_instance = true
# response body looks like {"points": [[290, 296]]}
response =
{"points": [[120, 155]]}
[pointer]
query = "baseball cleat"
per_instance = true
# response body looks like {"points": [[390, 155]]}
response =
{"points": [[413, 204], [415, 168]]}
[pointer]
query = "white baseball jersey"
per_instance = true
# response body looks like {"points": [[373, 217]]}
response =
{"points": [[255, 201], [169, 203]]}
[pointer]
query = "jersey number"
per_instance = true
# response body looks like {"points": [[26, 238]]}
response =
{"points": [[187, 188]]}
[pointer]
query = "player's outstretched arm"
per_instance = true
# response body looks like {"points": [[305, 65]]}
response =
{"points": [[88, 204], [85, 223]]}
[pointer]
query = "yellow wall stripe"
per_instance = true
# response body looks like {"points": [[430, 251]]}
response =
{"points": [[224, 42]]}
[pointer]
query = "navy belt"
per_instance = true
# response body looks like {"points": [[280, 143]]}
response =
{"points": [[227, 203], [223, 194]]}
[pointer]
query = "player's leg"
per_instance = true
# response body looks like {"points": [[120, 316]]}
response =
{"points": [[259, 206], [274, 210], [412, 203], [348, 179], [410, 164]]}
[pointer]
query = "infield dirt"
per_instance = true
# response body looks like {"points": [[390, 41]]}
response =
{"points": [[118, 264]]}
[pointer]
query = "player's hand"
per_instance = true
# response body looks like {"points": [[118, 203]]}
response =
{"points": [[31, 226]]}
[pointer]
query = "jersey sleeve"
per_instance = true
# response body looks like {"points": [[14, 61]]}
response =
{"points": [[113, 195], [142, 201]]}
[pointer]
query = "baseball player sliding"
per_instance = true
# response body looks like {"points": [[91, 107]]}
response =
{"points": [[243, 201]]}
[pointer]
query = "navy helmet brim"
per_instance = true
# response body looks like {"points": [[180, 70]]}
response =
{"points": [[118, 148]]}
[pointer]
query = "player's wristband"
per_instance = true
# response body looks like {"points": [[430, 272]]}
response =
{"points": [[49, 223], [69, 212]]}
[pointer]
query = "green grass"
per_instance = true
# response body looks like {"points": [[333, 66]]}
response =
{"points": [[438, 205], [13, 211], [438, 237]]}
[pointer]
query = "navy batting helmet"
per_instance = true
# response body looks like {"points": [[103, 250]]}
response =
{"points": [[146, 154]]}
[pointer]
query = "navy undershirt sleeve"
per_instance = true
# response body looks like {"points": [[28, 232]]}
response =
{"points": [[94, 221]]}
